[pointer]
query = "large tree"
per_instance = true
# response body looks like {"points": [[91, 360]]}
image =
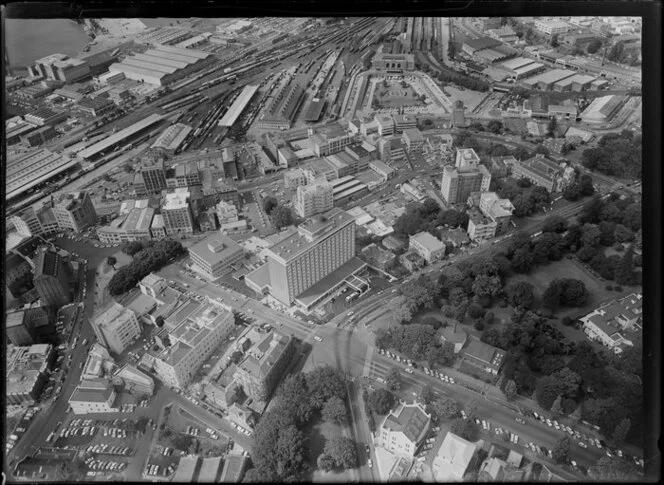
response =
{"points": [[614, 469], [381, 401], [323, 383], [466, 429], [555, 223], [488, 286], [561, 451], [393, 379], [282, 216], [278, 449], [624, 272], [343, 451], [444, 407], [290, 395], [335, 411], [520, 294], [269, 204]]}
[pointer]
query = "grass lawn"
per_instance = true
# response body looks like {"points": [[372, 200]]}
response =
{"points": [[319, 433], [568, 268]]}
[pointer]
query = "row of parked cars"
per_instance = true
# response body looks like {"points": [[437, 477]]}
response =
{"points": [[112, 450], [241, 429], [115, 433], [105, 466]]}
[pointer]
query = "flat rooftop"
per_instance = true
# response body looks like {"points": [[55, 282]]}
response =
{"points": [[120, 136]]}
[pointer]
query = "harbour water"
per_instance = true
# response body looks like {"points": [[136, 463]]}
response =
{"points": [[30, 39]]}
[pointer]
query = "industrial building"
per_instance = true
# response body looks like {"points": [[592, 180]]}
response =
{"points": [[59, 67], [521, 67], [172, 137], [28, 170], [578, 82], [551, 26], [45, 116], [602, 109], [238, 106], [281, 112], [162, 65], [346, 188], [107, 144], [546, 80]]}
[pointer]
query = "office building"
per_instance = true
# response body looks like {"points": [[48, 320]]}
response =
{"points": [[75, 212], [614, 323], [321, 245], [30, 326], [385, 124], [178, 218], [331, 138], [229, 217], [314, 199], [498, 210], [404, 122], [427, 246], [382, 169], [52, 278], [214, 256], [294, 178], [414, 139], [96, 395], [263, 367], [189, 337], [467, 176], [404, 429], [27, 372], [116, 327], [551, 26]]}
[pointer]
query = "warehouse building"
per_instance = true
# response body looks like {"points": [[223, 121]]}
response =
{"points": [[283, 108], [27, 170], [106, 145], [45, 116], [172, 137], [546, 81], [162, 65], [577, 83], [59, 67], [521, 67], [238, 106], [602, 109]]}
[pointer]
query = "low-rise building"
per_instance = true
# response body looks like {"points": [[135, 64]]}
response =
{"points": [[134, 381], [213, 256], [480, 226], [412, 261], [93, 396], [484, 356], [544, 172], [27, 372], [403, 429], [378, 257], [498, 210], [454, 336], [454, 458], [393, 63], [427, 246], [382, 169], [414, 139], [613, 323]]}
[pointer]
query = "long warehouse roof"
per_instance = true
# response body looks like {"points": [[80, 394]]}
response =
{"points": [[43, 165], [161, 60], [119, 136], [131, 61], [187, 52], [238, 106], [138, 70], [172, 55]]}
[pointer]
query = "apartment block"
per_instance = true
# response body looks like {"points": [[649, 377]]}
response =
{"points": [[498, 210], [52, 278], [264, 366]]}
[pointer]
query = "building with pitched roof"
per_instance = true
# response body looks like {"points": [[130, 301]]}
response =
{"points": [[402, 431], [484, 356], [52, 278], [544, 172], [612, 323], [135, 381], [453, 459], [95, 395], [263, 367]]}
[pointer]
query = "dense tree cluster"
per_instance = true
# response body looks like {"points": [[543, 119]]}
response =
{"points": [[565, 292], [339, 452], [148, 256], [416, 342], [525, 198], [281, 216], [618, 53], [463, 81], [618, 154], [280, 448], [381, 401], [427, 217], [614, 469]]}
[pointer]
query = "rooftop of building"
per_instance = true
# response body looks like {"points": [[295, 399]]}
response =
{"points": [[427, 240], [312, 294], [409, 419], [482, 43], [309, 232], [489, 355], [113, 313], [261, 358], [216, 249], [542, 166]]}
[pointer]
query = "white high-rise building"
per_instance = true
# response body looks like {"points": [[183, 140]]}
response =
{"points": [[314, 199]]}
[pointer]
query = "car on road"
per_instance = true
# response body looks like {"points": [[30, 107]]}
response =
{"points": [[370, 463], [582, 444], [318, 339]]}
